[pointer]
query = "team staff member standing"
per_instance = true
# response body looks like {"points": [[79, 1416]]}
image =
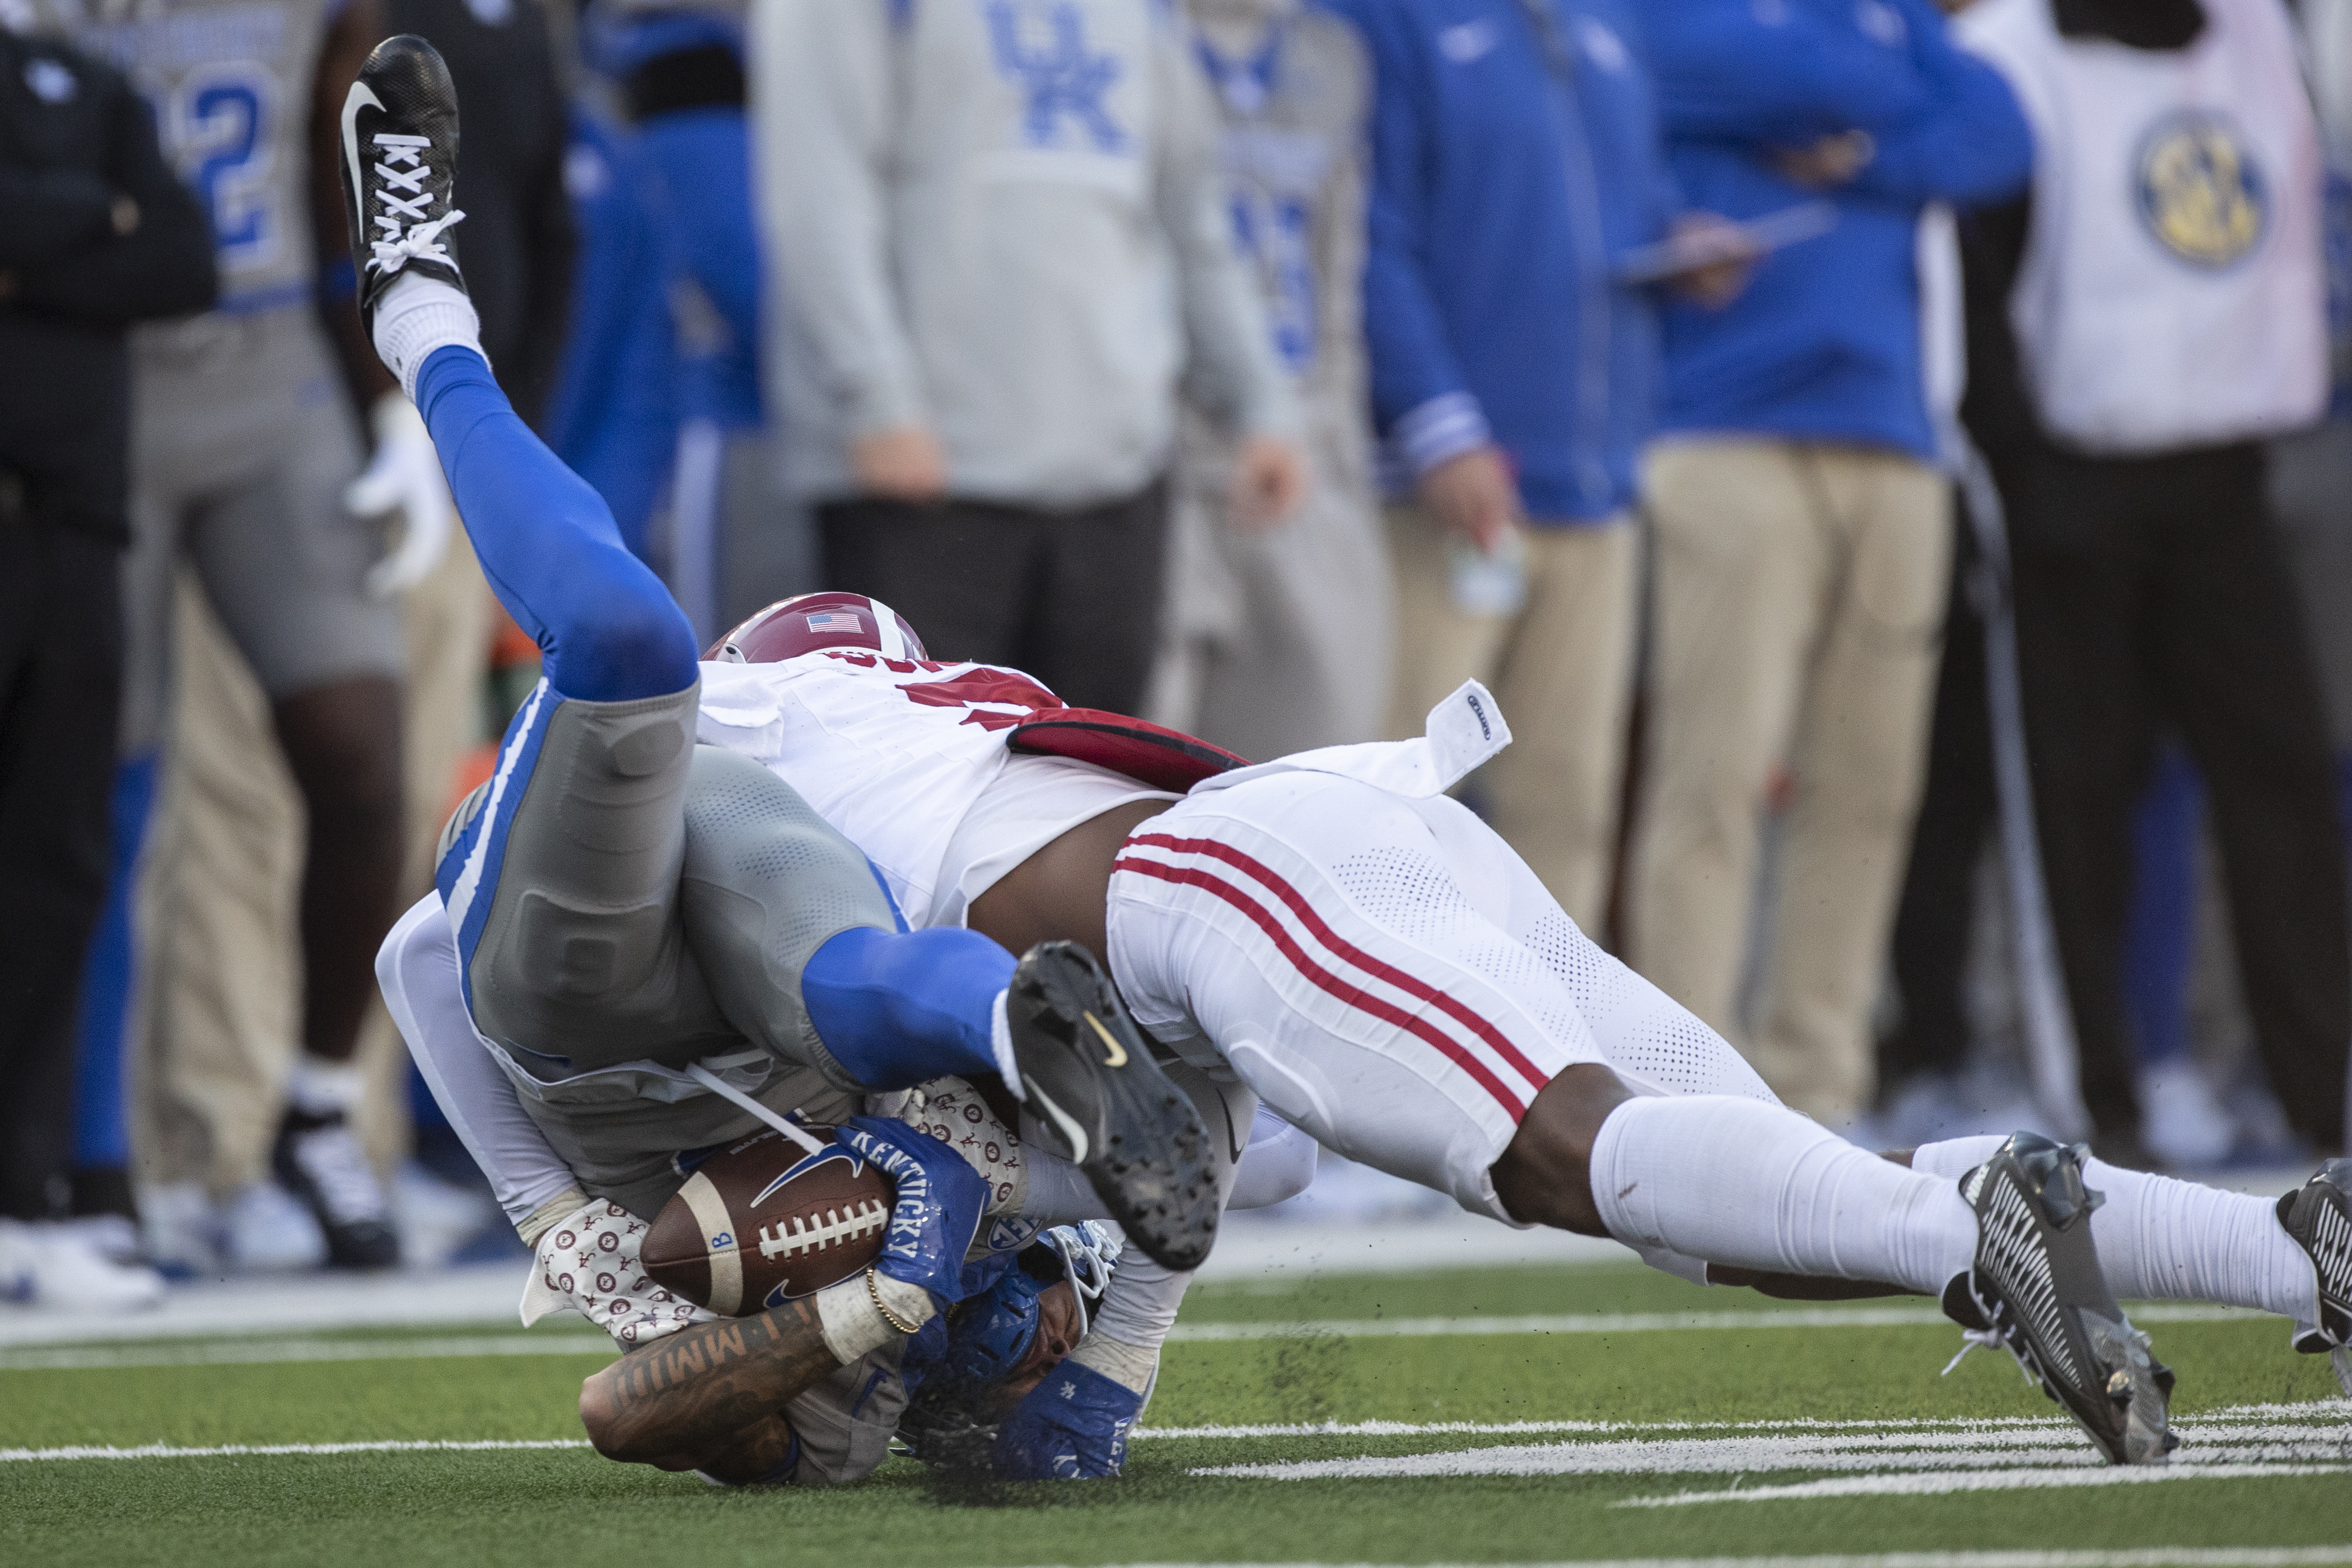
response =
{"points": [[1279, 641], [2169, 301], [98, 235], [999, 239], [1517, 158], [245, 452], [1802, 529]]}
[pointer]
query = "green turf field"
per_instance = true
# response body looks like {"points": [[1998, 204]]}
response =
{"points": [[1736, 1438]]}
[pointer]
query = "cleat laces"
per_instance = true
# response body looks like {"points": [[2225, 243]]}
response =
{"points": [[408, 234]]}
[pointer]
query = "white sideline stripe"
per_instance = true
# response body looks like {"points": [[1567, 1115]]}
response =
{"points": [[2243, 1450], [1987, 1481], [2026, 1426], [89, 1358], [1645, 1322], [256, 1352], [2146, 1557], [240, 1450]]}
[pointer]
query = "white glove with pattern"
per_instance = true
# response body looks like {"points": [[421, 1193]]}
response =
{"points": [[587, 1263]]}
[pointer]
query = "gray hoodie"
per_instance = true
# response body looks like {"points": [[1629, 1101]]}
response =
{"points": [[1003, 220]]}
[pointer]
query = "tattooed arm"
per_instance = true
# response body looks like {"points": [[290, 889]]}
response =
{"points": [[681, 1400]]}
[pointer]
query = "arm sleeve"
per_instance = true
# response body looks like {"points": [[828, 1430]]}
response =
{"points": [[1419, 392], [164, 267], [1969, 143], [1732, 72], [417, 967], [1230, 371], [824, 94]]}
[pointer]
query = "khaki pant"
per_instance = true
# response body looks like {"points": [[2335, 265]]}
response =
{"points": [[220, 1016], [1562, 670], [1799, 615]]}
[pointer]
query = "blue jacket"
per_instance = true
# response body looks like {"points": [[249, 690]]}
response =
{"points": [[1506, 190], [1824, 345]]}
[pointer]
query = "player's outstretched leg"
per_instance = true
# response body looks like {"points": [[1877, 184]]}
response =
{"points": [[1351, 952], [2165, 1239]]}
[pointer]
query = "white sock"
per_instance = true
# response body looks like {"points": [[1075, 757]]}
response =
{"points": [[1737, 1181], [324, 1089], [416, 315], [2164, 1239]]}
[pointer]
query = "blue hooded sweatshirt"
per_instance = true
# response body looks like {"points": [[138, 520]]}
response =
{"points": [[1824, 345], [1514, 166]]}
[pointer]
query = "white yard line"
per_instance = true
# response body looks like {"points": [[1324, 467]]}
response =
{"points": [[254, 1351], [1934, 1485], [2136, 1557], [1643, 1322], [239, 1352], [240, 1450]]}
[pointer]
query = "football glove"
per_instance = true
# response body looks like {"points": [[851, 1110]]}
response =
{"points": [[1072, 1427], [940, 1203], [587, 1263], [404, 476]]}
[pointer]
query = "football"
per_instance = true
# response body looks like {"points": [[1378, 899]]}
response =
{"points": [[763, 1221]]}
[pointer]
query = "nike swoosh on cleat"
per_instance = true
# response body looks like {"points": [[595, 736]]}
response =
{"points": [[1117, 1057], [361, 95], [1070, 1129]]}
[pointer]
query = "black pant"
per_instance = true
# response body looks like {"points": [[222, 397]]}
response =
{"points": [[2153, 591], [60, 688], [1072, 597], [1957, 809]]}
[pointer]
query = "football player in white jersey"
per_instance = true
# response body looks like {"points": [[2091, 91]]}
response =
{"points": [[1328, 931]]}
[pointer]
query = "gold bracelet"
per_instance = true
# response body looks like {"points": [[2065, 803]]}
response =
{"points": [[887, 1316]]}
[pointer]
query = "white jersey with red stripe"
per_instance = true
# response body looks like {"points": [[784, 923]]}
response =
{"points": [[1331, 929], [896, 753]]}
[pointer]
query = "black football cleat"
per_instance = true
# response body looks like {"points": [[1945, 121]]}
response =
{"points": [[1090, 1080], [319, 1161], [2318, 1215], [2036, 1291], [399, 169]]}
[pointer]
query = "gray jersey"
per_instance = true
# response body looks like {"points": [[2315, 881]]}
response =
{"points": [[1295, 111], [1278, 642], [230, 82]]}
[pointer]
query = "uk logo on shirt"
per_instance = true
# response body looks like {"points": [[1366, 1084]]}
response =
{"points": [[1042, 49]]}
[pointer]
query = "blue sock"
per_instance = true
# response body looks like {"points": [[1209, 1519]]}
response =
{"points": [[897, 1008], [608, 629]]}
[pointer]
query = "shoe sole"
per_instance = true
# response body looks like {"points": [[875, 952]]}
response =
{"points": [[1160, 1184]]}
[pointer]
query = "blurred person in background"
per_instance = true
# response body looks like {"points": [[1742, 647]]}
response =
{"points": [[246, 450], [1280, 641], [2167, 285], [98, 235], [1517, 160], [1000, 238], [1800, 521]]}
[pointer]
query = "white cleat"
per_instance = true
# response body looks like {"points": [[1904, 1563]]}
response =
{"points": [[55, 1265]]}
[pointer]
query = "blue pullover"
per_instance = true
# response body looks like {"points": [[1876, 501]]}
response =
{"points": [[1824, 345], [1509, 179]]}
